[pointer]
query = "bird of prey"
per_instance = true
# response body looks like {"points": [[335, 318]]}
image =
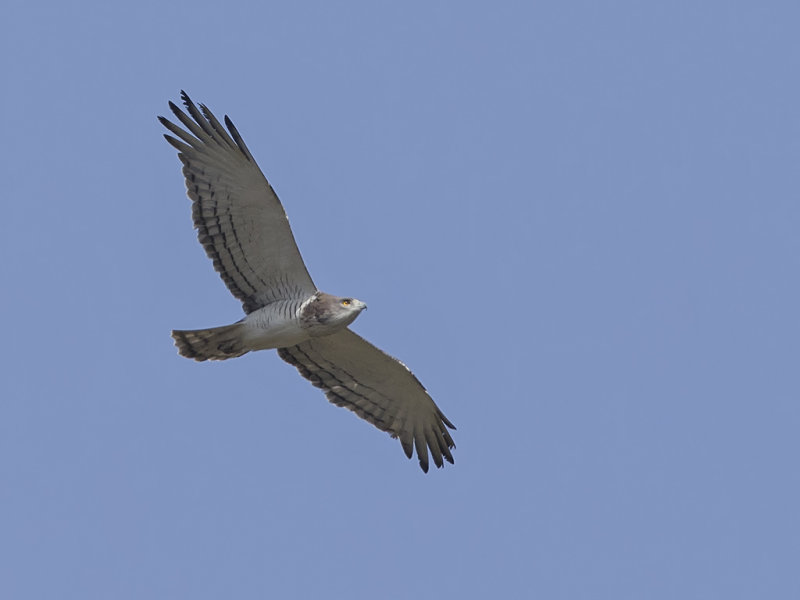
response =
{"points": [[245, 232]]}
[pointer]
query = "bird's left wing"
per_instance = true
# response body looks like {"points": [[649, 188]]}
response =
{"points": [[378, 388], [238, 216]]}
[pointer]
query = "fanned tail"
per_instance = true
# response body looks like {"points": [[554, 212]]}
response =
{"points": [[217, 343]]}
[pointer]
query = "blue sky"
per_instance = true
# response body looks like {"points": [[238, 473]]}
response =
{"points": [[577, 222]]}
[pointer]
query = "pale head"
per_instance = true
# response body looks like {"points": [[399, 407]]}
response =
{"points": [[323, 314]]}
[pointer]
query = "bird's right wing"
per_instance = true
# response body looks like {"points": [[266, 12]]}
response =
{"points": [[239, 220], [378, 388]]}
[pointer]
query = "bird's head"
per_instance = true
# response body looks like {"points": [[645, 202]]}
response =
{"points": [[332, 312], [347, 309]]}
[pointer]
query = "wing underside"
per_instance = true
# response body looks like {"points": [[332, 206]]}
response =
{"points": [[239, 220], [380, 389]]}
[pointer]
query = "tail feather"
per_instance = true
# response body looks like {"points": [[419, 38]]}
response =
{"points": [[217, 343]]}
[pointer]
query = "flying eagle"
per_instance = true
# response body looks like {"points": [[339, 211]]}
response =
{"points": [[242, 226]]}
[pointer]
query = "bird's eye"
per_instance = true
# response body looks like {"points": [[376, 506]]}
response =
{"points": [[346, 302]]}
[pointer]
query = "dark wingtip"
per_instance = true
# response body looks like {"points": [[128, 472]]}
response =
{"points": [[446, 421], [175, 109], [408, 449]]}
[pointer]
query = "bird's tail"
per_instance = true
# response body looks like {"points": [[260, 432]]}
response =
{"points": [[217, 343]]}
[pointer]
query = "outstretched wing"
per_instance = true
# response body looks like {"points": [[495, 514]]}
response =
{"points": [[378, 388], [238, 216]]}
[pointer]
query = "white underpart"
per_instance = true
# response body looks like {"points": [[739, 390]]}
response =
{"points": [[276, 325]]}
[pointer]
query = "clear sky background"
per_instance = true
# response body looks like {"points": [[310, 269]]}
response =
{"points": [[577, 222]]}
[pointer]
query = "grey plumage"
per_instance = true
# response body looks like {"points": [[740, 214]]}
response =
{"points": [[240, 221], [356, 375], [244, 230], [217, 343]]}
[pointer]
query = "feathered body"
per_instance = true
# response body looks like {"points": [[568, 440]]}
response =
{"points": [[277, 325], [244, 230]]}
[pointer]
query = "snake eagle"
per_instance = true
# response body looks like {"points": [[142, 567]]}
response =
{"points": [[244, 229]]}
